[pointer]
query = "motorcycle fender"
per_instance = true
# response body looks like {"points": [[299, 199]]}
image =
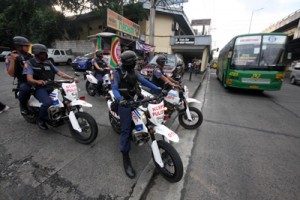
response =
{"points": [[192, 100], [74, 122], [168, 133], [156, 154], [91, 79], [79, 102]]}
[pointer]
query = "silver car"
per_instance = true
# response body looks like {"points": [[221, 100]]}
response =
{"points": [[295, 74]]}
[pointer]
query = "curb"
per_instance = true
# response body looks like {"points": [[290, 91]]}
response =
{"points": [[148, 172]]}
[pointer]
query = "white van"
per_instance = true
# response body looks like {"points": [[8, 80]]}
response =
{"points": [[60, 56]]}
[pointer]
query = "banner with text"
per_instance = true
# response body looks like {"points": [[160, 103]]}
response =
{"points": [[120, 23]]}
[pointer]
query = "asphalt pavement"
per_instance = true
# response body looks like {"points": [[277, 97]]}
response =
{"points": [[36, 164]]}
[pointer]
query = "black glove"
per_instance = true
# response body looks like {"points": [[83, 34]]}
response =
{"points": [[106, 71]]}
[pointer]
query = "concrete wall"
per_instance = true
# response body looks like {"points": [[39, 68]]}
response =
{"points": [[163, 31], [78, 47]]}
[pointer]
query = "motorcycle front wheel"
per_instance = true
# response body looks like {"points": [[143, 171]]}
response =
{"points": [[90, 88], [197, 118], [88, 126], [173, 168]]}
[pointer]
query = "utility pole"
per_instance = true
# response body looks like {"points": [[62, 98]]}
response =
{"points": [[252, 17], [152, 23]]}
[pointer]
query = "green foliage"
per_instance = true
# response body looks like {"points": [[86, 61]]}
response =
{"points": [[135, 12], [36, 20]]}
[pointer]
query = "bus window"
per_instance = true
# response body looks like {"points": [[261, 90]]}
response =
{"points": [[272, 50], [246, 52]]}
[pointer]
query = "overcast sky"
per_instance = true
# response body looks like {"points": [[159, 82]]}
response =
{"points": [[232, 17]]}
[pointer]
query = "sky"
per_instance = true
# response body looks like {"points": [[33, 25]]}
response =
{"points": [[232, 17]]}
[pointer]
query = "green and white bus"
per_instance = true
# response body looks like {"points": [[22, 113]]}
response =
{"points": [[253, 61]]}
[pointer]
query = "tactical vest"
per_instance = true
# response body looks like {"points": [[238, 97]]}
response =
{"points": [[42, 71], [19, 65], [128, 81], [101, 64], [157, 81]]}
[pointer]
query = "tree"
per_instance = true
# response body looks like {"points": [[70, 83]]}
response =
{"points": [[36, 20]]}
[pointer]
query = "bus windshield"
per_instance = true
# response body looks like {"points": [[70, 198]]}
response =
{"points": [[258, 52]]}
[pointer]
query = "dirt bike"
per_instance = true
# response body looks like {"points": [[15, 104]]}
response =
{"points": [[178, 100], [65, 107], [91, 83], [147, 116]]}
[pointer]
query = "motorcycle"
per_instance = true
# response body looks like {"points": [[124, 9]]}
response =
{"points": [[65, 107], [178, 100], [147, 116], [91, 83]]}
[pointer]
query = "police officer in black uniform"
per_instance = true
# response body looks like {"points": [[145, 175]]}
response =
{"points": [[101, 68], [127, 78], [15, 64], [38, 70], [159, 77]]}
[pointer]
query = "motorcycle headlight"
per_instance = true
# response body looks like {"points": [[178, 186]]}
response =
{"points": [[144, 118]]}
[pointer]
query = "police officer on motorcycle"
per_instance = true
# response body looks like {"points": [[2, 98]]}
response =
{"points": [[15, 64], [100, 68], [38, 71], [127, 78], [159, 77]]}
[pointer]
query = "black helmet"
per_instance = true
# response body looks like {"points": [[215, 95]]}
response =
{"points": [[99, 53], [161, 59], [21, 41], [128, 59], [39, 48]]}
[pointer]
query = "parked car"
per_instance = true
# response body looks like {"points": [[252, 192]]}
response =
{"points": [[3, 55], [83, 62], [295, 74], [60, 56], [174, 66]]}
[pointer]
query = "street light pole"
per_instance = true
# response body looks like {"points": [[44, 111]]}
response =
{"points": [[152, 23], [252, 17]]}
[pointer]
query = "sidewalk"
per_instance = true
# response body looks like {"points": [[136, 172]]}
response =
{"points": [[37, 164]]}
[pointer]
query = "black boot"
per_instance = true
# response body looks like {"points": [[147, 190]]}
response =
{"points": [[127, 166], [23, 109]]}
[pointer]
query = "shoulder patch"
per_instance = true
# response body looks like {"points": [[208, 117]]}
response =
{"points": [[158, 71], [26, 64]]}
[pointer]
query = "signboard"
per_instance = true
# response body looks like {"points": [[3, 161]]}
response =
{"points": [[200, 22], [120, 23], [172, 2], [144, 47], [185, 41], [115, 52]]}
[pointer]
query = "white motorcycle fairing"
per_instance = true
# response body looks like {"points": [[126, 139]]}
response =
{"points": [[79, 102], [192, 100], [165, 131], [156, 154], [74, 122], [91, 79]]}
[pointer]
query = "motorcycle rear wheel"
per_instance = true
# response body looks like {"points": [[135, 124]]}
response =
{"points": [[196, 114], [90, 89], [171, 159], [31, 117], [87, 124]]}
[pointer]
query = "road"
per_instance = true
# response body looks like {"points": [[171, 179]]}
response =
{"points": [[248, 147]]}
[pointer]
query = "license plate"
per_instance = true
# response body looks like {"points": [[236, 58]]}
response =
{"points": [[256, 80]]}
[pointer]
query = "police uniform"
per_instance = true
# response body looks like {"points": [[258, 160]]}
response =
{"points": [[99, 74], [42, 71], [24, 87], [128, 80], [156, 78]]}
